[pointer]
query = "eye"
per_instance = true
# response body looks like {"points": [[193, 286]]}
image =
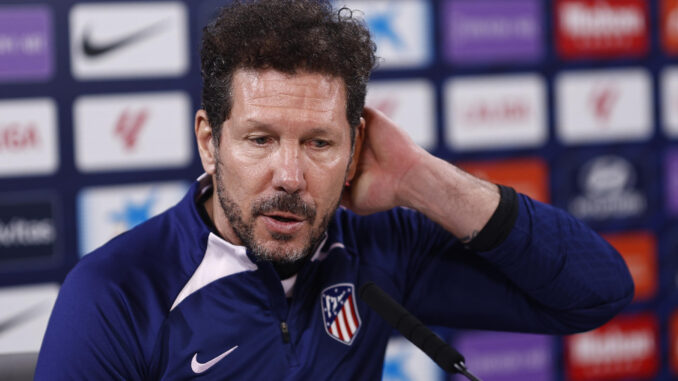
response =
{"points": [[260, 140], [319, 143]]}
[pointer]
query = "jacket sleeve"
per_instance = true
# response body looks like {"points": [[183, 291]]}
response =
{"points": [[90, 335], [552, 274]]}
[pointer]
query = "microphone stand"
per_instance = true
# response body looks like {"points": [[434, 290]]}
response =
{"points": [[414, 330]]}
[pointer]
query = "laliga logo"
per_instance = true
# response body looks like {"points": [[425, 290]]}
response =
{"points": [[129, 126], [17, 137]]}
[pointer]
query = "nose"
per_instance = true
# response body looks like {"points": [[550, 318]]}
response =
{"points": [[288, 175]]}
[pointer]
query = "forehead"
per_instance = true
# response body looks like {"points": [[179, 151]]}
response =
{"points": [[303, 94]]}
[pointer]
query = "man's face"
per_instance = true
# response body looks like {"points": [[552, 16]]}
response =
{"points": [[282, 161]]}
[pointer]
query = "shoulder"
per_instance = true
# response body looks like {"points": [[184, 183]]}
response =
{"points": [[392, 236], [144, 268], [153, 259], [396, 226], [382, 222]]}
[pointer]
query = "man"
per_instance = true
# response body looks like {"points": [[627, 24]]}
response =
{"points": [[254, 274]]}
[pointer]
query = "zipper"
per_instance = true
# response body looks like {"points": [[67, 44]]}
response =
{"points": [[285, 332]]}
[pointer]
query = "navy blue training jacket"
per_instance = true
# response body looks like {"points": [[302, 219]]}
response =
{"points": [[172, 300]]}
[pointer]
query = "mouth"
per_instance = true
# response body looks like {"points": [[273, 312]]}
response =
{"points": [[284, 217], [282, 222]]}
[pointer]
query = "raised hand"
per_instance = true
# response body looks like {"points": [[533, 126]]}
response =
{"points": [[393, 171], [388, 153]]}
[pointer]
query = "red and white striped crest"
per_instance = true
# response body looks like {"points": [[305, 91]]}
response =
{"points": [[340, 313]]}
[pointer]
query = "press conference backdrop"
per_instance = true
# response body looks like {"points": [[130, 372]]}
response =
{"points": [[574, 102]]}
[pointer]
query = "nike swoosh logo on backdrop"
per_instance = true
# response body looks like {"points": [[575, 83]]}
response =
{"points": [[93, 50], [198, 367], [22, 316]]}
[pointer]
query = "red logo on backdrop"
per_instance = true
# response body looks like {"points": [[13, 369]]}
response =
{"points": [[601, 28], [669, 25], [673, 342], [625, 348], [526, 175], [129, 126], [507, 110], [17, 136], [603, 100], [639, 250]]}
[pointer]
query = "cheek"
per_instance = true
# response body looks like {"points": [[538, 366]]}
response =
{"points": [[240, 183], [329, 183], [243, 172]]}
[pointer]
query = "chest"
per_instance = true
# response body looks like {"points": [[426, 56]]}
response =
{"points": [[244, 327]]}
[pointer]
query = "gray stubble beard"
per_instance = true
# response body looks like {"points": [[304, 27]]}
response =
{"points": [[283, 202]]}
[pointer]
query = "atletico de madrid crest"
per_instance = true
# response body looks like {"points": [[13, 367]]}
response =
{"points": [[340, 313]]}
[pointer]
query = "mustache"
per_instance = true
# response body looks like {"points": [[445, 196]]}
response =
{"points": [[285, 202]]}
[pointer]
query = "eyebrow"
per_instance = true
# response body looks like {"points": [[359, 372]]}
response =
{"points": [[251, 123]]}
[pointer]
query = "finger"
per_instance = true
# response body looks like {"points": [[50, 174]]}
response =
{"points": [[371, 113]]}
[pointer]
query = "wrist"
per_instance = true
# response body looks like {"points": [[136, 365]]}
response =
{"points": [[500, 223], [415, 183], [458, 201]]}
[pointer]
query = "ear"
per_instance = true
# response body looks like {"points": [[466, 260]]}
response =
{"points": [[357, 149], [205, 140]]}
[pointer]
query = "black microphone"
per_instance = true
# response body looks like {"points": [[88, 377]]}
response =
{"points": [[414, 330]]}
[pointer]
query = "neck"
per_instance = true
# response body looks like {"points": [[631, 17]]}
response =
{"points": [[219, 220]]}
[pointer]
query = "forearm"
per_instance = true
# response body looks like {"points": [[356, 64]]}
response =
{"points": [[456, 200], [552, 274]]}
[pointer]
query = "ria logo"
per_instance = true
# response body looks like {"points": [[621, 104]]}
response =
{"points": [[129, 125], [501, 112], [506, 111]]}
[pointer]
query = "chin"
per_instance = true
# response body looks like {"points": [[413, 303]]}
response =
{"points": [[280, 251]]}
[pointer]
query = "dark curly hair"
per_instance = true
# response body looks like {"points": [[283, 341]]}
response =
{"points": [[285, 35]]}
